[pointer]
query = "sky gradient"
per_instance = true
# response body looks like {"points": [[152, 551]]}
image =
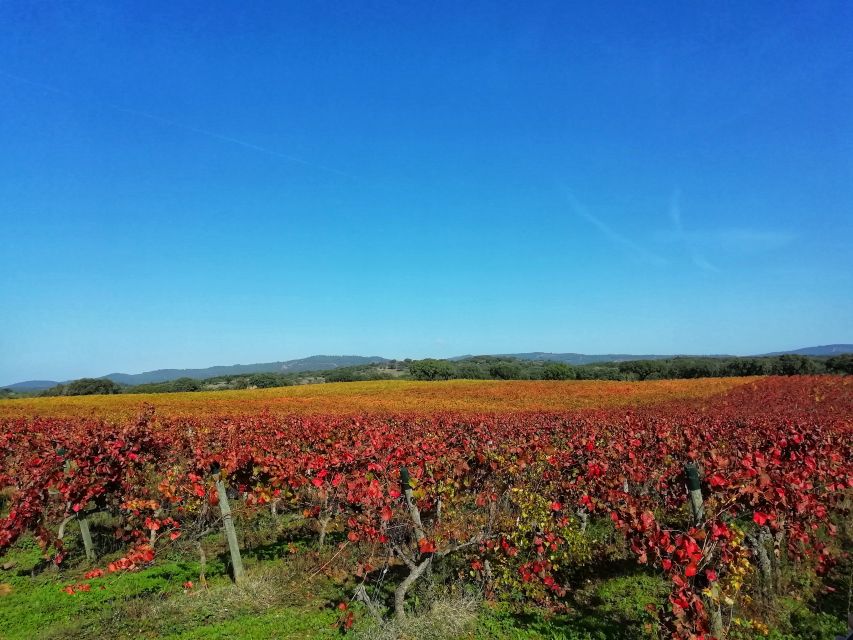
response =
{"points": [[189, 184]]}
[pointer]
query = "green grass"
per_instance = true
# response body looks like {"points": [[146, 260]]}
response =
{"points": [[37, 604], [288, 623], [277, 602], [613, 608], [285, 597], [152, 603]]}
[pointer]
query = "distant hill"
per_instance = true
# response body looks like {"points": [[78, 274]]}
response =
{"points": [[580, 358], [31, 385], [313, 363], [574, 358], [825, 350]]}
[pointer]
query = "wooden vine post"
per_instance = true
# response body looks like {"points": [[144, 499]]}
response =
{"points": [[228, 524], [86, 535], [697, 508], [694, 491]]}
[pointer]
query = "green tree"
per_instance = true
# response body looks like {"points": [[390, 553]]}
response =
{"points": [[793, 365], [505, 371], [642, 369], [558, 371], [265, 380], [471, 371], [840, 364], [185, 384], [746, 367], [431, 369], [91, 386], [344, 375], [690, 368]]}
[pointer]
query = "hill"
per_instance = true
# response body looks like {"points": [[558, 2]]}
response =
{"points": [[825, 350], [31, 385], [583, 358], [312, 363], [574, 358]]}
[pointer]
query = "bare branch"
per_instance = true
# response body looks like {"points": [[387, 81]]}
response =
{"points": [[405, 558]]}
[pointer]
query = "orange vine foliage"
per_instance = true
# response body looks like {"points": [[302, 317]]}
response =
{"points": [[387, 396]]}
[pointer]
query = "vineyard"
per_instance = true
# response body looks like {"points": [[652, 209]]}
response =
{"points": [[457, 396], [733, 493]]}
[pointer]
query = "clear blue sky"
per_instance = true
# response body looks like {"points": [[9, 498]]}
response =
{"points": [[188, 184]]}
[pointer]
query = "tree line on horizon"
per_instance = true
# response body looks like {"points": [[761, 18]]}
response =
{"points": [[478, 368], [491, 368]]}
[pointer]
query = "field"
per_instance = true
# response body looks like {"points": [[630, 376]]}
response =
{"points": [[393, 396], [432, 510]]}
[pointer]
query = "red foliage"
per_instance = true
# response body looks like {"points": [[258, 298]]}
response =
{"points": [[774, 454]]}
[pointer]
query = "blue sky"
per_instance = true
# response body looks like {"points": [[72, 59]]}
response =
{"points": [[189, 184]]}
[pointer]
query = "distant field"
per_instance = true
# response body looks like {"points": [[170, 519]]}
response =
{"points": [[387, 396]]}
